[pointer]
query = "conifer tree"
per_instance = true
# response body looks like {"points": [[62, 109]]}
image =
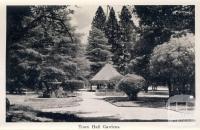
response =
{"points": [[112, 34], [126, 27], [98, 50], [100, 19]]}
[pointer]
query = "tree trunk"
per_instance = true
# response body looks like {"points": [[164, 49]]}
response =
{"points": [[133, 97], [146, 87], [193, 88], [169, 84]]}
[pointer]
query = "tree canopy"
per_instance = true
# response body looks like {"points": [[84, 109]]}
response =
{"points": [[126, 30], [172, 17], [112, 33], [174, 63], [156, 26], [99, 19], [44, 46]]}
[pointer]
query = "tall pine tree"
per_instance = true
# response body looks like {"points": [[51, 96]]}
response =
{"points": [[112, 33], [98, 50], [100, 19], [126, 27]]}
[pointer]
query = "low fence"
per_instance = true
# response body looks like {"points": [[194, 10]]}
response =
{"points": [[181, 103]]}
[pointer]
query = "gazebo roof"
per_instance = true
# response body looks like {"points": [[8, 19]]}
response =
{"points": [[106, 73]]}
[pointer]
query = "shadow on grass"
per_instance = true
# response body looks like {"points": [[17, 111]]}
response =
{"points": [[150, 102], [19, 113], [60, 117]]}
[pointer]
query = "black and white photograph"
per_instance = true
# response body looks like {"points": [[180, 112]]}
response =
{"points": [[100, 63]]}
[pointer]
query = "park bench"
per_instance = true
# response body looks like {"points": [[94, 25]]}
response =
{"points": [[177, 99]]}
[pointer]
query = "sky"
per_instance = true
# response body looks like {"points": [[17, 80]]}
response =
{"points": [[82, 18]]}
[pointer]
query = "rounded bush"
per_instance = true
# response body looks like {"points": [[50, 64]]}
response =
{"points": [[132, 84], [113, 82]]}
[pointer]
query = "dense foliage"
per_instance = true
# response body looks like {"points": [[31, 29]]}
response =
{"points": [[41, 46], [98, 50], [112, 34], [113, 82], [126, 30], [120, 36], [72, 85], [132, 84], [173, 63], [99, 20], [171, 17], [157, 24]]}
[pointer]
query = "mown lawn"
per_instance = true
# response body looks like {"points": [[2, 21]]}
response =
{"points": [[28, 108], [44, 103], [20, 113], [152, 99]]}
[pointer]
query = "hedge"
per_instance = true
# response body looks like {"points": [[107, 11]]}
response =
{"points": [[72, 85]]}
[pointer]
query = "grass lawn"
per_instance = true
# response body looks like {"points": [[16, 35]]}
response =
{"points": [[43, 103], [150, 102], [28, 108], [152, 99], [20, 113]]}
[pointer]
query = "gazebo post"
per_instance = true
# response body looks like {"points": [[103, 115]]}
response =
{"points": [[90, 86]]}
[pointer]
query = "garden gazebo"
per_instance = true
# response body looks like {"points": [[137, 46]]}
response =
{"points": [[102, 78]]}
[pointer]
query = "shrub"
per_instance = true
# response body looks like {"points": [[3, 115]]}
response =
{"points": [[72, 85], [131, 84], [14, 87], [113, 82]]}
